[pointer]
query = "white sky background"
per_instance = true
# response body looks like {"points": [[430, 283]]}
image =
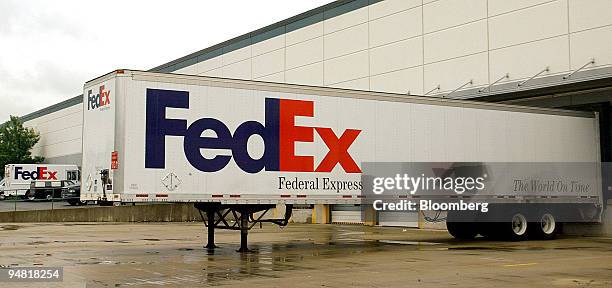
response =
{"points": [[48, 49]]}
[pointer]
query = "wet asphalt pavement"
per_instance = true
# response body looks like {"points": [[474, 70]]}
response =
{"points": [[300, 255], [26, 205], [23, 205]]}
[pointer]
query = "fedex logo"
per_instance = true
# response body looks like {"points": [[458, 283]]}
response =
{"points": [[98, 100], [41, 173], [279, 133]]}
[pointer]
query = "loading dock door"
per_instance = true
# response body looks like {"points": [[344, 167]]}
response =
{"points": [[346, 214], [400, 219]]}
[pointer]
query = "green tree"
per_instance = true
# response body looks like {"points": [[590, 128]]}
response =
{"points": [[16, 143]]}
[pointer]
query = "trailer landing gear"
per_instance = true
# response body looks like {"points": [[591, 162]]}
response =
{"points": [[236, 217]]}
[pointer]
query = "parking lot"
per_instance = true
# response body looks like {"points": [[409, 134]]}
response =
{"points": [[26, 205], [300, 255], [23, 205]]}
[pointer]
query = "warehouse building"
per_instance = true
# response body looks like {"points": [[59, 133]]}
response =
{"points": [[533, 52]]}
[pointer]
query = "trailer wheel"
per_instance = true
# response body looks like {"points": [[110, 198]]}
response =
{"points": [[30, 195], [546, 229], [462, 230], [517, 228]]}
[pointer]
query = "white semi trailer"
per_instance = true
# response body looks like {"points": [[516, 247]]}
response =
{"points": [[244, 146]]}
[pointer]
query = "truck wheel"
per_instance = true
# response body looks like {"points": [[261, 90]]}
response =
{"points": [[30, 196], [105, 203], [517, 228], [546, 229], [462, 230]]}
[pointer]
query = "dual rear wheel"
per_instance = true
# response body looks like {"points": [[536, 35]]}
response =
{"points": [[517, 228], [547, 228]]}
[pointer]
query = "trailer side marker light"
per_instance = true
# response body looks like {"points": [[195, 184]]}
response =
{"points": [[347, 196], [234, 196], [142, 195], [217, 195], [301, 196], [161, 195], [285, 196]]}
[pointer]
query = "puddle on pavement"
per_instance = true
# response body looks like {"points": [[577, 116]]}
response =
{"points": [[268, 260], [577, 282], [115, 241], [107, 262], [265, 261], [408, 242], [519, 248], [10, 227], [78, 241], [481, 248]]}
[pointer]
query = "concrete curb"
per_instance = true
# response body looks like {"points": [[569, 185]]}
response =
{"points": [[175, 212]]}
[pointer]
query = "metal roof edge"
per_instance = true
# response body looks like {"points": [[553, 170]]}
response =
{"points": [[53, 108], [330, 10], [324, 12]]}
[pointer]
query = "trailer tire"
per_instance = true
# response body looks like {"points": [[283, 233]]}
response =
{"points": [[462, 230], [545, 229], [517, 228]]}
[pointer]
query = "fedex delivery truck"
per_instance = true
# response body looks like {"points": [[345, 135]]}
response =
{"points": [[19, 177], [245, 146]]}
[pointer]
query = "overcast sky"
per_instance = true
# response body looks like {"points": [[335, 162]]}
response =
{"points": [[48, 49]]}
